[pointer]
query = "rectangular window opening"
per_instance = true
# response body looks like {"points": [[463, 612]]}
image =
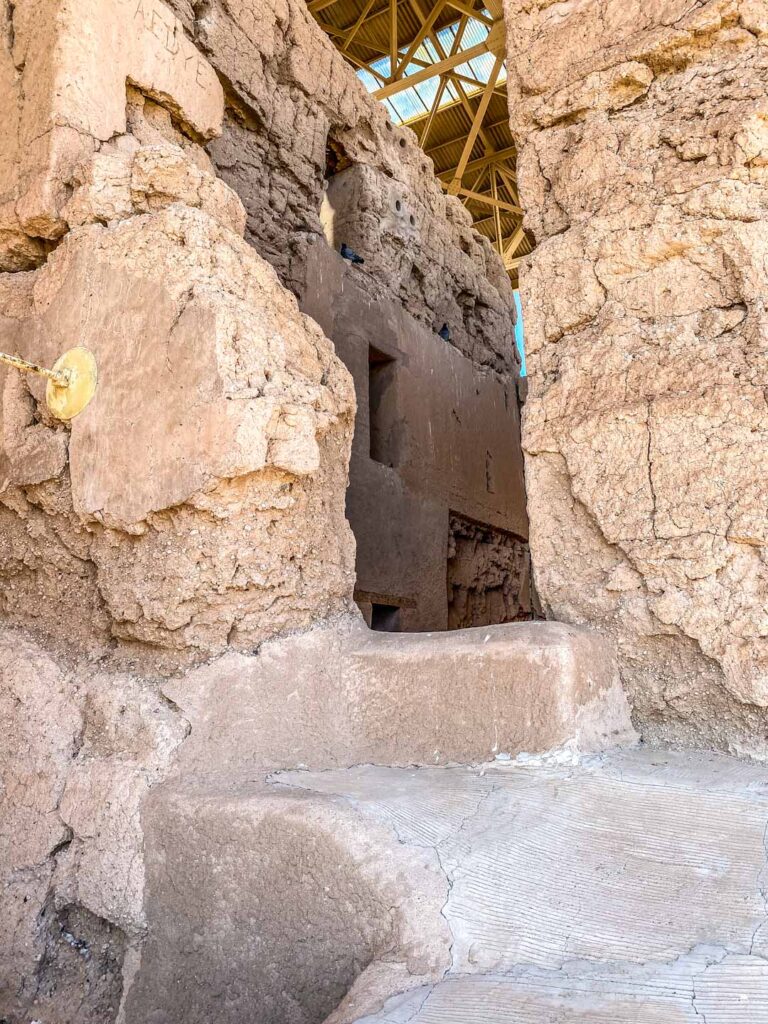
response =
{"points": [[382, 412], [385, 618]]}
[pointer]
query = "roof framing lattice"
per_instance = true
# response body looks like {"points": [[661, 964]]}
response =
{"points": [[438, 66]]}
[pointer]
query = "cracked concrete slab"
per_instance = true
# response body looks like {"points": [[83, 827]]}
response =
{"points": [[624, 888], [548, 865], [694, 988]]}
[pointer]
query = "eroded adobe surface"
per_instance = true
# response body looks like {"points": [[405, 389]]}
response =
{"points": [[64, 65], [581, 893], [198, 503], [83, 746], [644, 171], [201, 496], [201, 493], [357, 696], [295, 113]]}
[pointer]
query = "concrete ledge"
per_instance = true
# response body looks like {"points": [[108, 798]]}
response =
{"points": [[342, 695]]}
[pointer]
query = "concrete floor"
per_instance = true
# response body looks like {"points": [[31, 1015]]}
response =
{"points": [[624, 888], [629, 889]]}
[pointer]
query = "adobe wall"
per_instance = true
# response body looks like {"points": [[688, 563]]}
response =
{"points": [[63, 74], [437, 501], [644, 172], [197, 504], [292, 102], [317, 163], [173, 514]]}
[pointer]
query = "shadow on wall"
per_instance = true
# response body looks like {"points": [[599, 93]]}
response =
{"points": [[520, 335]]}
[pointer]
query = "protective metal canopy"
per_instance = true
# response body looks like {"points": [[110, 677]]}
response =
{"points": [[438, 67]]}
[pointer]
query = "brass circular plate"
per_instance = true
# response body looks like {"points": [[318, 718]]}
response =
{"points": [[67, 400]]}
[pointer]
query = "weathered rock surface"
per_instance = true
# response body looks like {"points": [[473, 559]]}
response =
{"points": [[64, 70], [201, 492], [296, 116], [489, 574], [591, 892], [643, 171], [203, 499], [90, 743], [197, 504], [82, 749]]}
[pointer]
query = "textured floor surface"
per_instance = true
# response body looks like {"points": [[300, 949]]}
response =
{"points": [[624, 888], [629, 889]]}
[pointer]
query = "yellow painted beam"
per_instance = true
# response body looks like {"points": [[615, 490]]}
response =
{"points": [[434, 69], [468, 9], [423, 32], [349, 37], [500, 156], [474, 131], [393, 35], [480, 197], [513, 243]]}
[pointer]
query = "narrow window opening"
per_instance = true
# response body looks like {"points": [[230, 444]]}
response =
{"points": [[335, 198], [490, 484], [384, 427], [385, 618], [336, 159]]}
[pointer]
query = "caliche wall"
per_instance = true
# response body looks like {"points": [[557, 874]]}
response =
{"points": [[436, 496], [294, 113], [198, 504], [644, 171]]}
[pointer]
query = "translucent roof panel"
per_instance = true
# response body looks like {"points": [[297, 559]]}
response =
{"points": [[417, 101]]}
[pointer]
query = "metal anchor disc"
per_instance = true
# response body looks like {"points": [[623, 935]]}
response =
{"points": [[74, 385]]}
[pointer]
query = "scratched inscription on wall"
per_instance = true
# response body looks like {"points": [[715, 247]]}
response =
{"points": [[154, 18]]}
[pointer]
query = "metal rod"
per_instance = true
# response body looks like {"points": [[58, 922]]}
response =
{"points": [[60, 378]]}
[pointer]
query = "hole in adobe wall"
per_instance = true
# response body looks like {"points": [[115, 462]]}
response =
{"points": [[80, 973], [385, 618], [335, 199], [336, 158]]}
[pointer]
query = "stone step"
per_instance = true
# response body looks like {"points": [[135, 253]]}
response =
{"points": [[341, 694], [622, 888]]}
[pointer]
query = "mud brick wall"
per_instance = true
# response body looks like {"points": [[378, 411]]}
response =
{"points": [[293, 106], [643, 129]]}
